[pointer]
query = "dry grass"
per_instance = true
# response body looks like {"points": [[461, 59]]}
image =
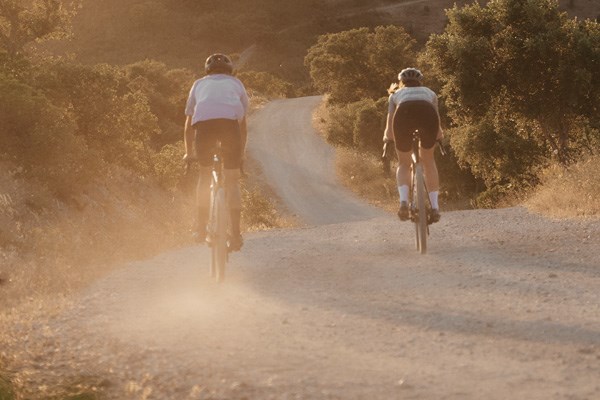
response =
{"points": [[569, 192], [48, 247], [363, 174], [360, 172]]}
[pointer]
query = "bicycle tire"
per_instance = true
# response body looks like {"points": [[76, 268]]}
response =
{"points": [[220, 244], [421, 217], [211, 234]]}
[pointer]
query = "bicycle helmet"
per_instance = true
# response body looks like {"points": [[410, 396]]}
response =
{"points": [[218, 64], [408, 74]]}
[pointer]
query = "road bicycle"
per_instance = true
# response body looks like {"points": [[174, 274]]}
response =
{"points": [[418, 200], [218, 225], [419, 205]]}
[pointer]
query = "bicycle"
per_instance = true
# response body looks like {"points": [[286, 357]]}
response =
{"points": [[218, 224], [419, 205], [217, 227]]}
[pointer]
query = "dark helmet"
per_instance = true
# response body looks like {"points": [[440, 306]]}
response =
{"points": [[218, 63], [410, 74]]}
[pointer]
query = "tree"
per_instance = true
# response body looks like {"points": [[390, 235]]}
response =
{"points": [[519, 73], [22, 22], [358, 63]]}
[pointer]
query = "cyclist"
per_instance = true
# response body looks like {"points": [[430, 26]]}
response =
{"points": [[216, 111], [413, 106]]}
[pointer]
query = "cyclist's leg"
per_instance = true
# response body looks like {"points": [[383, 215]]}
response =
{"points": [[429, 129], [205, 141], [403, 173], [232, 156], [403, 128], [431, 173]]}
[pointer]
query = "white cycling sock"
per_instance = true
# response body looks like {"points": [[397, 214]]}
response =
{"points": [[433, 198], [403, 191]]}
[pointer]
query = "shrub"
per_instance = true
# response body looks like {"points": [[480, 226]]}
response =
{"points": [[41, 138], [569, 191], [339, 124], [357, 64], [168, 167]]}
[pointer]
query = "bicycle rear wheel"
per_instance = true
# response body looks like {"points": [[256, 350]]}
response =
{"points": [[420, 218], [219, 245]]}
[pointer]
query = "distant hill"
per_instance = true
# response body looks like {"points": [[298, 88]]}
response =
{"points": [[182, 33]]}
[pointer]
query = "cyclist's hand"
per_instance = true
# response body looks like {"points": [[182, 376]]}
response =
{"points": [[440, 135], [385, 157]]}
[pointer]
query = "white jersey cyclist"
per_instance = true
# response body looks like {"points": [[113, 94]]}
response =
{"points": [[216, 112], [217, 96], [412, 107]]}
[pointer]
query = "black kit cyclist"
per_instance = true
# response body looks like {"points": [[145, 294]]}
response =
{"points": [[413, 106]]}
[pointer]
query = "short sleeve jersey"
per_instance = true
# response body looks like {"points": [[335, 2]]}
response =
{"points": [[217, 96], [417, 93]]}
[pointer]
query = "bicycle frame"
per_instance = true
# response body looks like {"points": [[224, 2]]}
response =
{"points": [[419, 204], [218, 221]]}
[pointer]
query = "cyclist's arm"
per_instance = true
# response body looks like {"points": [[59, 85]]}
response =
{"points": [[188, 138], [388, 134], [440, 134], [244, 135]]}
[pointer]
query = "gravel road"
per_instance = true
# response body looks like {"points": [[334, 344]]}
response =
{"points": [[506, 304]]}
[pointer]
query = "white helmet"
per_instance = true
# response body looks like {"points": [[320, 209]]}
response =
{"points": [[408, 74]]}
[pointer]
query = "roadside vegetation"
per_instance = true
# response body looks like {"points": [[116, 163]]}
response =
{"points": [[90, 165], [90, 158], [568, 191], [517, 85]]}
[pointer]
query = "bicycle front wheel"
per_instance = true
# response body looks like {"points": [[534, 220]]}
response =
{"points": [[219, 246], [420, 218]]}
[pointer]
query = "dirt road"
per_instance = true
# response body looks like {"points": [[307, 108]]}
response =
{"points": [[299, 165], [505, 305]]}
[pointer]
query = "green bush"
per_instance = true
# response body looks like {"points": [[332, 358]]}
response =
{"points": [[168, 165], [359, 63], [503, 151], [124, 116], [369, 125], [339, 124], [41, 138], [358, 125], [518, 79]]}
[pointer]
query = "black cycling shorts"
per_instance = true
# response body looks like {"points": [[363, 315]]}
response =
{"points": [[412, 115], [227, 131]]}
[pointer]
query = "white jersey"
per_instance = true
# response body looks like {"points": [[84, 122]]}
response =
{"points": [[217, 96], [417, 93]]}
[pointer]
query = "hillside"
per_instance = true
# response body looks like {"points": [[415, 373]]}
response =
{"points": [[183, 33]]}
